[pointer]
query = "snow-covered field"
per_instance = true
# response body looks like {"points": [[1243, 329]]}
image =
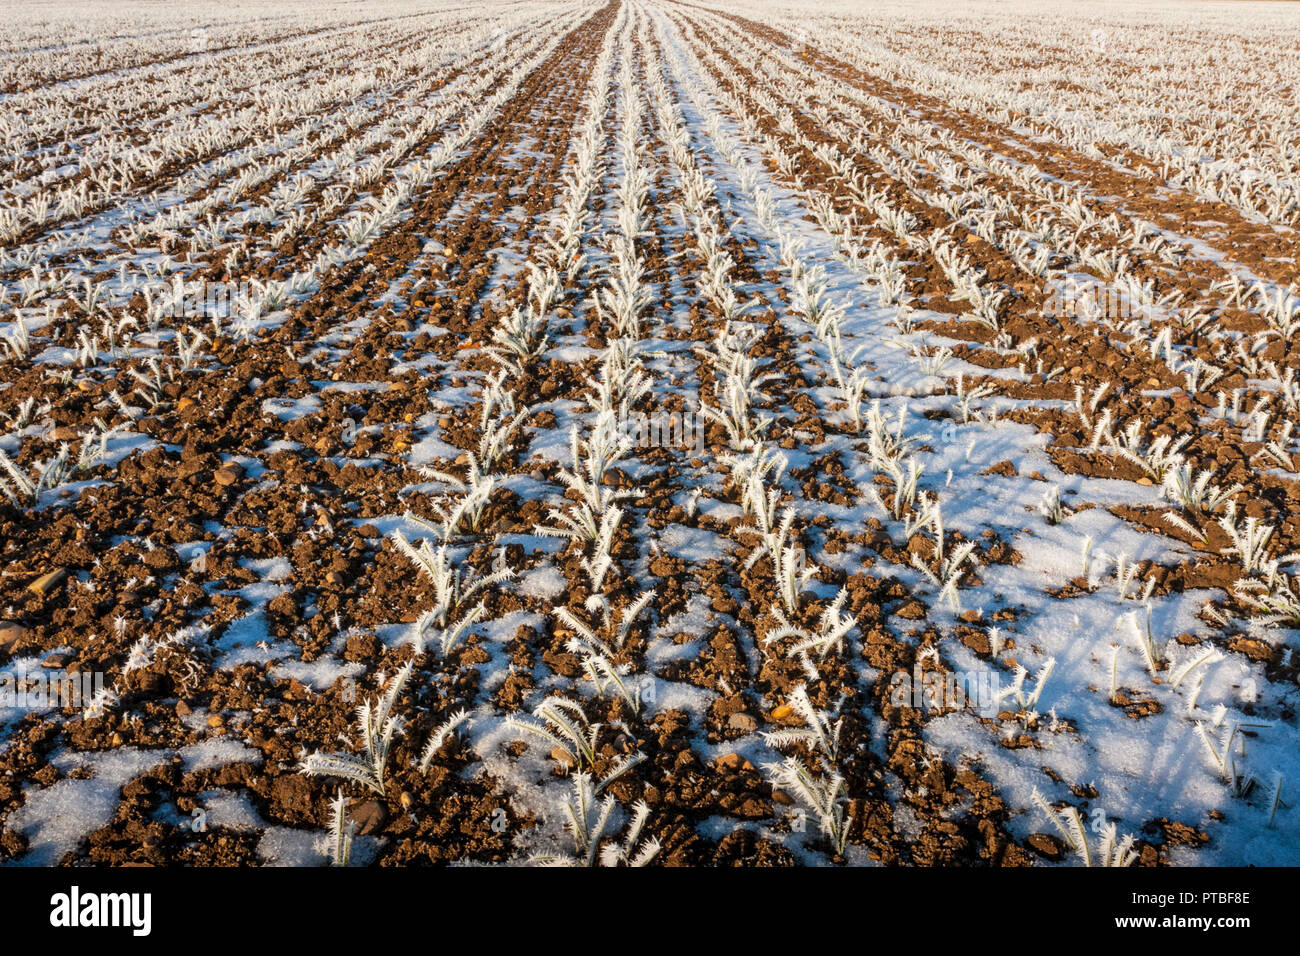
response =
{"points": [[649, 433]]}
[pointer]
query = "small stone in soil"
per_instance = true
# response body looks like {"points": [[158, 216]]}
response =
{"points": [[228, 474], [1046, 846], [46, 583], [368, 817], [11, 633], [733, 762], [742, 722]]}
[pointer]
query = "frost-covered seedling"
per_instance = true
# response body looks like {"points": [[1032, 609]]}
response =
{"points": [[584, 523], [714, 280], [789, 568], [463, 514], [821, 733], [932, 361], [598, 654], [544, 290], [497, 433], [1116, 852], [440, 736], [497, 400], [1288, 387], [1276, 788], [824, 796], [152, 381], [378, 725], [1277, 454], [17, 342], [587, 820], [1200, 375], [518, 340], [117, 336], [1256, 428], [21, 490], [758, 463], [1069, 823], [1281, 310], [24, 491], [565, 726], [1109, 264], [790, 248], [1193, 664], [1035, 261], [627, 297], [1126, 572], [904, 320], [883, 444], [832, 626], [734, 414], [1175, 520], [592, 460], [601, 560], [26, 413], [1144, 298], [1051, 508], [996, 642], [188, 348], [1193, 490], [1114, 674], [87, 349], [100, 703], [632, 850], [1030, 701], [966, 396], [852, 389], [1145, 640], [1228, 751], [1099, 426], [1026, 701], [1275, 451], [897, 221], [1103, 432], [429, 632], [1194, 320], [1276, 598], [602, 671], [32, 287], [341, 832], [956, 267], [621, 382], [618, 631], [1163, 455], [949, 573], [1249, 540], [985, 306], [1231, 413], [89, 300], [812, 303], [271, 295], [905, 495], [452, 588], [760, 501]]}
